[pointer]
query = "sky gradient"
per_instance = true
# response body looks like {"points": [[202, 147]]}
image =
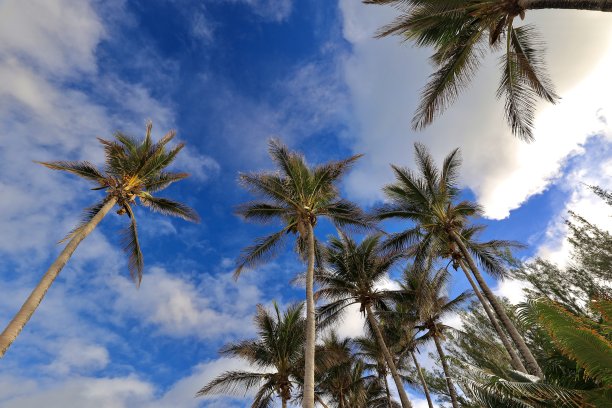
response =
{"points": [[228, 75]]}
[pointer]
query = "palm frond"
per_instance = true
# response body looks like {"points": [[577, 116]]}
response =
{"points": [[264, 247], [131, 246], [232, 383], [169, 207], [83, 169]]}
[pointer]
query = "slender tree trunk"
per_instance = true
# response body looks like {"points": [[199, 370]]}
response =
{"points": [[24, 314], [341, 401], [284, 402], [516, 362], [531, 363], [593, 5], [309, 365], [425, 387], [387, 390], [381, 342], [449, 381], [320, 401]]}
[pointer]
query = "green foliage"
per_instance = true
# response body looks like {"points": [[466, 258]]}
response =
{"points": [[296, 195], [133, 170], [277, 354], [460, 33]]}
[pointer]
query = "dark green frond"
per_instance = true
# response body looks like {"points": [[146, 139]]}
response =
{"points": [[262, 212], [81, 168], [131, 246], [263, 248], [169, 207], [232, 383]]}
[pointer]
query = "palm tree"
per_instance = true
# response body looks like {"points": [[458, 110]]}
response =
{"points": [[297, 195], [400, 328], [133, 169], [489, 253], [348, 382], [276, 355], [461, 31], [371, 353], [350, 276], [426, 297], [428, 198]]}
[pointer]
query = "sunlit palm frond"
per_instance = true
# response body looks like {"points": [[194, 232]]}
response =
{"points": [[169, 207]]}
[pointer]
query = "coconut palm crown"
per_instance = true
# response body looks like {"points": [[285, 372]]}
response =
{"points": [[461, 31], [277, 354], [134, 169], [297, 195]]}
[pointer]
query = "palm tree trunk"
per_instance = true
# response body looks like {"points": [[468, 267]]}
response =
{"points": [[449, 381], [425, 387], [284, 402], [388, 392], [24, 314], [531, 363], [381, 342], [309, 367], [594, 5], [515, 361], [320, 401]]}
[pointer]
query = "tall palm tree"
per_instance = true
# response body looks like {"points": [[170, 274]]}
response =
{"points": [[426, 296], [461, 31], [400, 328], [371, 353], [297, 195], [349, 381], [276, 355], [350, 276], [490, 254], [429, 199], [133, 169]]}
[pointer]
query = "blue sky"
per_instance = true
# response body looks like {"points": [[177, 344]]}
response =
{"points": [[227, 75]]}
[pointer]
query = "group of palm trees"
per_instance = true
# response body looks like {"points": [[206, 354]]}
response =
{"points": [[439, 232], [347, 272]]}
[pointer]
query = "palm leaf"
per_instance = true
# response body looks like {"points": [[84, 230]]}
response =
{"points": [[169, 207], [131, 246]]}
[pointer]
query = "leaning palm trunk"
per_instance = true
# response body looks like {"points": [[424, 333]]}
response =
{"points": [[381, 342], [24, 314], [594, 5], [516, 362], [449, 381], [387, 391], [531, 363], [310, 325], [425, 387]]}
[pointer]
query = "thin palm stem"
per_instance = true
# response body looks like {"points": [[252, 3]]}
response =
{"points": [[531, 363], [449, 381], [310, 324], [423, 382], [516, 362], [24, 314], [381, 342], [593, 5]]}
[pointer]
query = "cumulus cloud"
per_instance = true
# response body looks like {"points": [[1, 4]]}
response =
{"points": [[502, 171], [176, 307]]}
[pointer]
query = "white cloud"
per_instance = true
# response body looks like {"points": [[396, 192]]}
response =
{"points": [[384, 80], [176, 307], [75, 356], [43, 33], [270, 10], [82, 392]]}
